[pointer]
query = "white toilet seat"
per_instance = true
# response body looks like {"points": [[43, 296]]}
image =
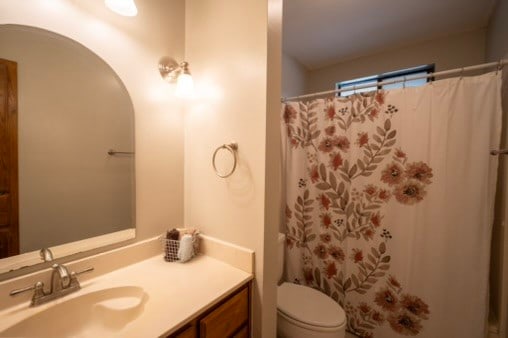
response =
{"points": [[308, 326], [308, 308]]}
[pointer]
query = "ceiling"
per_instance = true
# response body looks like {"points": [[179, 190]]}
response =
{"points": [[319, 33]]}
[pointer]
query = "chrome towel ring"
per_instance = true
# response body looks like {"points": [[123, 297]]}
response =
{"points": [[232, 148]]}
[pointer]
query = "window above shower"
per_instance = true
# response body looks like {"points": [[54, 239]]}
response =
{"points": [[375, 80]]}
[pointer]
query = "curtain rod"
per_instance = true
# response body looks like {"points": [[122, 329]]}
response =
{"points": [[499, 65]]}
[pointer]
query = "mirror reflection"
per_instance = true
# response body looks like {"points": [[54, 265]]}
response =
{"points": [[71, 110]]}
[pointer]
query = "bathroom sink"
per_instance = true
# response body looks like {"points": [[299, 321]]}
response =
{"points": [[100, 313]]}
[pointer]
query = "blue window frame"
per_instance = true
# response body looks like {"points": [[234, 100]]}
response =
{"points": [[374, 80]]}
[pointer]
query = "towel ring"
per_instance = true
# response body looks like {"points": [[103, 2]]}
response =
{"points": [[232, 148]]}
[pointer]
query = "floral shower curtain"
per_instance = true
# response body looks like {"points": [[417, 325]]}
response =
{"points": [[389, 204]]}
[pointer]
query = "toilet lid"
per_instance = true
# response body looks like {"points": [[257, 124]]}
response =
{"points": [[309, 306]]}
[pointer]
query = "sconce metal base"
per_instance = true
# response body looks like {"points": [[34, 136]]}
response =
{"points": [[169, 69]]}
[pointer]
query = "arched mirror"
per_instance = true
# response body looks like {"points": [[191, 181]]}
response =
{"points": [[67, 147]]}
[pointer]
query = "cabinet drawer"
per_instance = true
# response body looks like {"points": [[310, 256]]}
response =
{"points": [[243, 333], [227, 318]]}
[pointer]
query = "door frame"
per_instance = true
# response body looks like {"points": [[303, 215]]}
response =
{"points": [[11, 122]]}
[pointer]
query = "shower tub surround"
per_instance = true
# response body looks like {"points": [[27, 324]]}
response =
{"points": [[135, 289]]}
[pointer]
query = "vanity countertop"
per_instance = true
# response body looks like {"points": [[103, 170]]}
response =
{"points": [[175, 293]]}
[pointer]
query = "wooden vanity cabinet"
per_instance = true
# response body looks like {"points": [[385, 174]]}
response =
{"points": [[188, 331], [229, 318]]}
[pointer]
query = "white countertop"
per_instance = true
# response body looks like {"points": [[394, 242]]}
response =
{"points": [[176, 293]]}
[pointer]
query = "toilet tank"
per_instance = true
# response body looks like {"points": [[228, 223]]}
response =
{"points": [[280, 255]]}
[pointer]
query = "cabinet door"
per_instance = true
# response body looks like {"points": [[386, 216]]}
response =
{"points": [[225, 320], [188, 331], [243, 333]]}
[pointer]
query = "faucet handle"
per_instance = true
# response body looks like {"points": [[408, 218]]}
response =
{"points": [[38, 287], [90, 269], [38, 291], [74, 276]]}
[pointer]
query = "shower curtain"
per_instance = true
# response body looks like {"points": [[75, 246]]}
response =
{"points": [[389, 204]]}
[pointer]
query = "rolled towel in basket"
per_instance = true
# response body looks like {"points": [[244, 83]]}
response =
{"points": [[186, 249], [174, 234], [195, 233]]}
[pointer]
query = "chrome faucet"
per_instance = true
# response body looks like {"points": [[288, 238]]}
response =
{"points": [[46, 254], [60, 278], [62, 283]]}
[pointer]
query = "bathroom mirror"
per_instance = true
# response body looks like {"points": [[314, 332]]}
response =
{"points": [[72, 110]]}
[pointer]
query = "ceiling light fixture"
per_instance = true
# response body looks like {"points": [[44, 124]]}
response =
{"points": [[122, 7]]}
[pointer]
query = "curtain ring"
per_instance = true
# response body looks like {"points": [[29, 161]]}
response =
{"points": [[499, 66], [232, 148]]}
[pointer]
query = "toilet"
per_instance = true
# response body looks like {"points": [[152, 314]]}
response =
{"points": [[303, 312]]}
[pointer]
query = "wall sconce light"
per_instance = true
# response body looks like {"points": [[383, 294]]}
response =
{"points": [[173, 72], [122, 7]]}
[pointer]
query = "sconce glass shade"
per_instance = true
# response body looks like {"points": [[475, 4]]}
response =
{"points": [[172, 72], [184, 85], [122, 7]]}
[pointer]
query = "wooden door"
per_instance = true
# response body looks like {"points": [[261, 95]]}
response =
{"points": [[9, 223]]}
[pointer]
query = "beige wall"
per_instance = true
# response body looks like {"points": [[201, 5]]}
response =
{"points": [[499, 253], [294, 77], [447, 53], [132, 47], [497, 48], [497, 32], [273, 183], [226, 44], [69, 188]]}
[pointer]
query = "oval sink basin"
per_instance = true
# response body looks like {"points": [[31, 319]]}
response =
{"points": [[95, 314]]}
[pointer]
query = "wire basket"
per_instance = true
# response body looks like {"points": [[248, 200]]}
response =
{"points": [[171, 247]]}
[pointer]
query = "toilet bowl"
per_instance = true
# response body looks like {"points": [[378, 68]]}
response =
{"points": [[303, 312], [306, 312]]}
